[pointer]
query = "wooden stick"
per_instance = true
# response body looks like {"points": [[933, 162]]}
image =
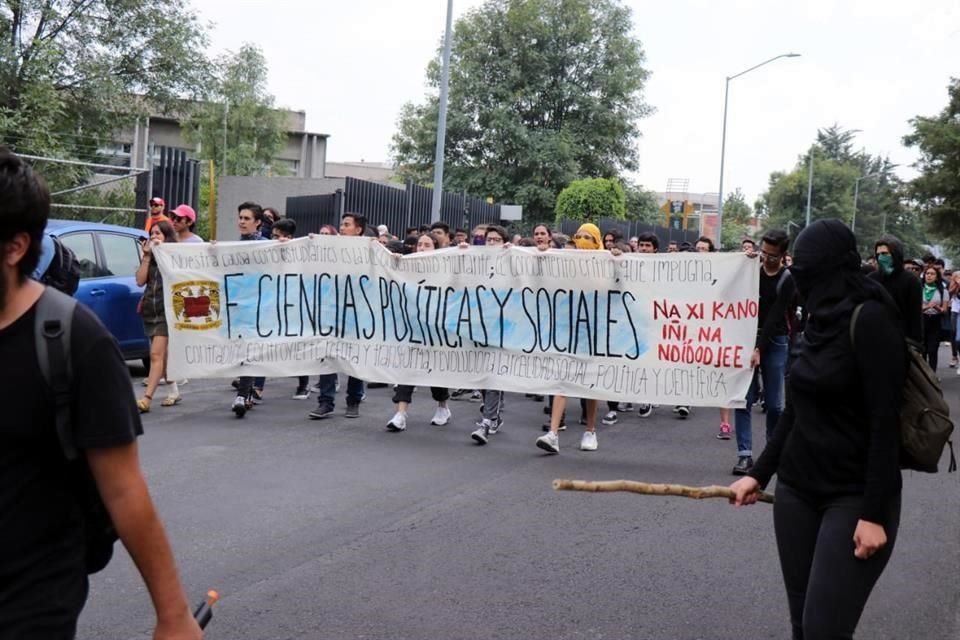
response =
{"points": [[697, 493]]}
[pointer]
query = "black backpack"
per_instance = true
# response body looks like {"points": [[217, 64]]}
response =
{"points": [[54, 318], [63, 274], [925, 425]]}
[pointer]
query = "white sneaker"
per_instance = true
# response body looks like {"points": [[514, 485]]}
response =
{"points": [[610, 418], [644, 410], [589, 441], [239, 406], [682, 411], [398, 422], [482, 434], [441, 416], [549, 442]]}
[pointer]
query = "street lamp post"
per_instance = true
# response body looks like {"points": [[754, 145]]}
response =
{"points": [[723, 143], [856, 195], [442, 119]]}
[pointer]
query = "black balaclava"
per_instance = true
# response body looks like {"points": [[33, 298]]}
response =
{"points": [[826, 270]]}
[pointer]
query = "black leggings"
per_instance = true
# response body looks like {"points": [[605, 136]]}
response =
{"points": [[827, 587], [931, 339], [404, 393]]}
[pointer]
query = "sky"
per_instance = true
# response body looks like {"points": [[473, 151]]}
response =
{"points": [[865, 64]]}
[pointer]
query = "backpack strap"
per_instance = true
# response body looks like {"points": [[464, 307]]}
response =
{"points": [[52, 329]]}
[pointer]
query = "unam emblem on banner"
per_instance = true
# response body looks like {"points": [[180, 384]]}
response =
{"points": [[196, 305]]}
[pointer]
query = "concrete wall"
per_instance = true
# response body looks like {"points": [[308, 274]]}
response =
{"points": [[372, 172], [267, 192]]}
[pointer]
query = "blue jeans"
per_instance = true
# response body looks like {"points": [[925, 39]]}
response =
{"points": [[773, 368], [328, 389]]}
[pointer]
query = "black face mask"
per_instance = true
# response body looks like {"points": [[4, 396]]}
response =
{"points": [[804, 279]]}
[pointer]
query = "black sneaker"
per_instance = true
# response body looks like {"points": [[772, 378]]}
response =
{"points": [[743, 466], [682, 411], [353, 411], [322, 411]]}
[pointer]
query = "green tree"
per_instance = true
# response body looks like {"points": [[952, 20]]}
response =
{"points": [[239, 106], [541, 92], [643, 205], [737, 215], [736, 209], [937, 188], [591, 199], [73, 72], [881, 205]]}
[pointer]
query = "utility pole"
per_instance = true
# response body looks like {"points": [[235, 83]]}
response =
{"points": [[442, 122], [810, 185]]}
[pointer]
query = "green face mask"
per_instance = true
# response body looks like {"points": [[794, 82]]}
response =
{"points": [[885, 260]]}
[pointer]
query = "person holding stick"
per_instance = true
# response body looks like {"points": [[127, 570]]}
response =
{"points": [[835, 450]]}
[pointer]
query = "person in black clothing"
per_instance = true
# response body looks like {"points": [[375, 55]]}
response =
{"points": [[777, 311], [43, 573], [836, 449], [904, 287]]}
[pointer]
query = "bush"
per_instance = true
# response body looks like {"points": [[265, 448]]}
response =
{"points": [[591, 199]]}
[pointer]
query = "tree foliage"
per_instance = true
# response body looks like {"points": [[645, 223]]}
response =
{"points": [[240, 106], [881, 203], [541, 92], [591, 199], [736, 209], [937, 188], [737, 215], [74, 71], [643, 205]]}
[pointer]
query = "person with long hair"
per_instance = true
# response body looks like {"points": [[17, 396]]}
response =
{"points": [[935, 303], [153, 312], [543, 237], [586, 238], [403, 393], [836, 448]]}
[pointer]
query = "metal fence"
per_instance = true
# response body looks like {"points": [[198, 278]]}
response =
{"points": [[399, 208], [409, 206], [175, 178], [312, 212], [630, 228]]}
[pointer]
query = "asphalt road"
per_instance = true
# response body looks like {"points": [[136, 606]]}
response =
{"points": [[339, 529]]}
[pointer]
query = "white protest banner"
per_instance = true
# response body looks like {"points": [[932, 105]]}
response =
{"points": [[665, 329]]}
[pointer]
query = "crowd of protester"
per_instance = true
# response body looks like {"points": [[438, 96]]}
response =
{"points": [[926, 294], [831, 402]]}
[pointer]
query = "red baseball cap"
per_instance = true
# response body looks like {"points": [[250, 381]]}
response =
{"points": [[185, 211]]}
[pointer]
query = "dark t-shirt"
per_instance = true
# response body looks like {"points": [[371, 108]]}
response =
{"points": [[768, 299], [41, 536]]}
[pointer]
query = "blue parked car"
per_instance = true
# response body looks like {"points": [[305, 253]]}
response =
{"points": [[109, 256]]}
